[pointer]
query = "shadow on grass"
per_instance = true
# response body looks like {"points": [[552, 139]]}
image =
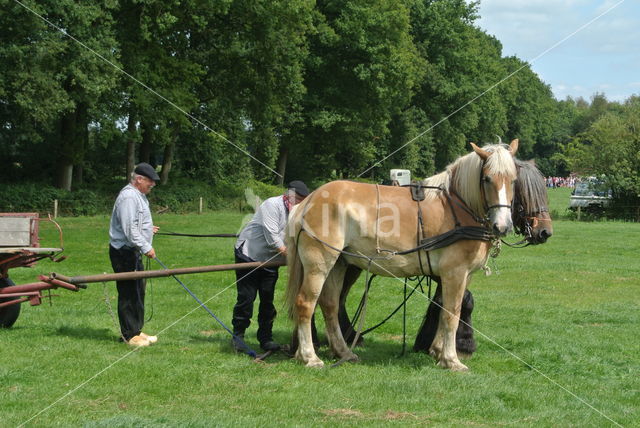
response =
{"points": [[87, 333], [375, 351]]}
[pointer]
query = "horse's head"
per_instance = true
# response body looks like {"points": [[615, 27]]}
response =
{"points": [[530, 215], [497, 176]]}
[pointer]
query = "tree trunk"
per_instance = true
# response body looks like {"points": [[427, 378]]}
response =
{"points": [[65, 175], [64, 164], [81, 143], [167, 161], [146, 128], [282, 164], [131, 140]]}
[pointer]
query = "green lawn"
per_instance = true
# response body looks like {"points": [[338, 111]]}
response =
{"points": [[555, 331], [559, 201]]}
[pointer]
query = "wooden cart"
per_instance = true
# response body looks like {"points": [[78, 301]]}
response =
{"points": [[20, 247]]}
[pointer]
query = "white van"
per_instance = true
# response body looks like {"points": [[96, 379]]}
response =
{"points": [[400, 177], [591, 194]]}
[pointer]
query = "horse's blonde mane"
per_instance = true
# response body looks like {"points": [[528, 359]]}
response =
{"points": [[463, 175]]}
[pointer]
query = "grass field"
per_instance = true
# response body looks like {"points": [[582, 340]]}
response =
{"points": [[556, 329]]}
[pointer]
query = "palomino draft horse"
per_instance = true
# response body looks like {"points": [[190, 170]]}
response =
{"points": [[531, 219], [375, 228]]}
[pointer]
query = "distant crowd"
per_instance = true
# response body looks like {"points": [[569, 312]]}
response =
{"points": [[561, 182]]}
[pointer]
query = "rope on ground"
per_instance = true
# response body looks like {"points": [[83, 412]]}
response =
{"points": [[237, 339]]}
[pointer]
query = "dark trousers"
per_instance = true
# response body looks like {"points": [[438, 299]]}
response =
{"points": [[249, 285], [130, 293]]}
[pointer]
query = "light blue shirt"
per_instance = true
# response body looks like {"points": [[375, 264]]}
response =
{"points": [[131, 224], [265, 233]]}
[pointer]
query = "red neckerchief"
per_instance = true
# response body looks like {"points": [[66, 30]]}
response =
{"points": [[287, 202]]}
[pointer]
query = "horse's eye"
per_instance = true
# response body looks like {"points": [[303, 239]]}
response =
{"points": [[486, 179]]}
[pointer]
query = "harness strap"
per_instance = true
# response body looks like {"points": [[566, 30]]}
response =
{"points": [[462, 205], [454, 235], [377, 218], [419, 235], [429, 263], [356, 315], [364, 309]]}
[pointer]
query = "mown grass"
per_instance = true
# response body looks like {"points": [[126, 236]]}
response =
{"points": [[556, 329]]}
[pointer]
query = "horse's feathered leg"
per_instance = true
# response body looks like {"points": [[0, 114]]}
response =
{"points": [[444, 345], [305, 305], [318, 262], [329, 302], [347, 328]]}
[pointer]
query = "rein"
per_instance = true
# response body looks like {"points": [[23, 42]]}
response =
{"points": [[246, 349], [193, 235]]}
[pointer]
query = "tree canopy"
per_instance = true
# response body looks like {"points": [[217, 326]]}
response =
{"points": [[276, 90]]}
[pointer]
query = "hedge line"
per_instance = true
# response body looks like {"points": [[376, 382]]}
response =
{"points": [[180, 197]]}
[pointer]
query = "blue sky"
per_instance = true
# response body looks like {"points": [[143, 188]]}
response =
{"points": [[602, 57]]}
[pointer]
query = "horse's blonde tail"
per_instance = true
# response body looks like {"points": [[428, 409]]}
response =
{"points": [[296, 274]]}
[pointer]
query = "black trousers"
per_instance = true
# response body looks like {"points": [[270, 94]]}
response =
{"points": [[249, 285], [130, 293]]}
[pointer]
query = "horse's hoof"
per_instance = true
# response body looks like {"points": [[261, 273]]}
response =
{"points": [[351, 358], [316, 364], [454, 366], [459, 368]]}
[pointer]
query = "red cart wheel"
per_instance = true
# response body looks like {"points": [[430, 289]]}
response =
{"points": [[8, 314]]}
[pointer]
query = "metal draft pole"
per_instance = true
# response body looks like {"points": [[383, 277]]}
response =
{"points": [[124, 276]]}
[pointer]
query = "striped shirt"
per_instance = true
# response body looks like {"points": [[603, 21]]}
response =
{"points": [[265, 233], [131, 224]]}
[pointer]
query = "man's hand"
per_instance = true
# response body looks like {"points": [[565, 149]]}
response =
{"points": [[156, 229], [151, 254], [283, 251]]}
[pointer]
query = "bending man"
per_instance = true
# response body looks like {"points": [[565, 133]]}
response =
{"points": [[262, 239]]}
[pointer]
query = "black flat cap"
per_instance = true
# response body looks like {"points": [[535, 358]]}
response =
{"points": [[299, 187], [147, 170]]}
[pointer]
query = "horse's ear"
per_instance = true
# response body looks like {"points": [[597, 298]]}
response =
{"points": [[513, 147], [481, 152]]}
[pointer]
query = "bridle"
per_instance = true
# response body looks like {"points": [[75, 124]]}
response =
{"points": [[524, 222], [487, 207]]}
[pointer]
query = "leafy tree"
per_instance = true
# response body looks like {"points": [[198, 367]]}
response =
{"points": [[155, 40], [463, 63], [52, 82], [410, 145], [361, 69], [254, 52], [611, 147]]}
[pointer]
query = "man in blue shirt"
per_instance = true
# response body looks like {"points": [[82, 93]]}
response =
{"points": [[262, 239], [131, 234]]}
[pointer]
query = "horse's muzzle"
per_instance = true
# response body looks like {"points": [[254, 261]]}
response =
{"points": [[501, 230], [501, 222], [541, 237]]}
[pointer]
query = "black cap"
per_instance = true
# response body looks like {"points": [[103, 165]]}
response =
{"points": [[147, 170], [299, 187]]}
